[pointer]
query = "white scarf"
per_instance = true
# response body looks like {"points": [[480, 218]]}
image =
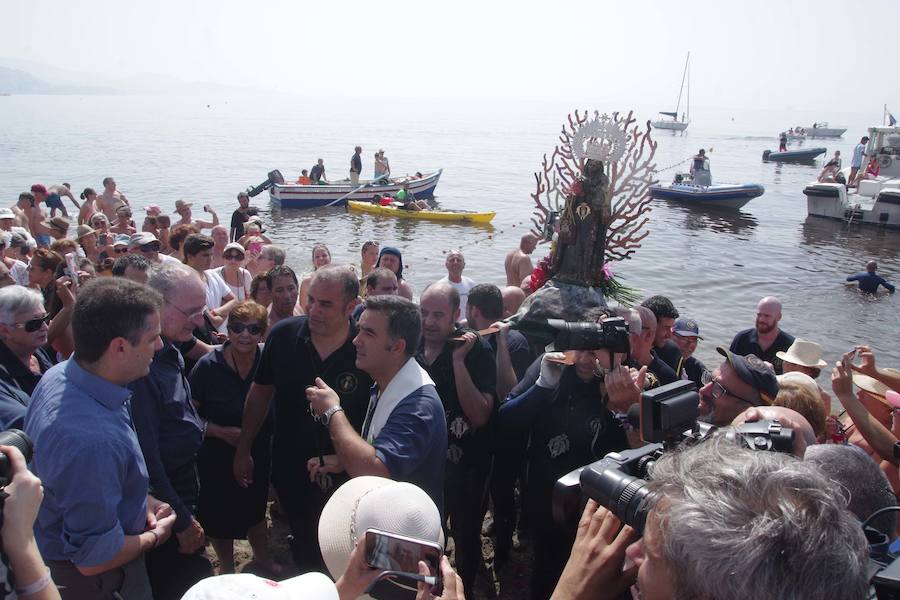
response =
{"points": [[408, 379]]}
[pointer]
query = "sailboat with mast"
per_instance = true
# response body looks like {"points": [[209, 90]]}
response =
{"points": [[672, 123]]}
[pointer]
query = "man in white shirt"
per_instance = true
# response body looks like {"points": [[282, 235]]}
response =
{"points": [[455, 264]]}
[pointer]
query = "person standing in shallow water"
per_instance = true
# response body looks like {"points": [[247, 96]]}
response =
{"points": [[869, 280]]}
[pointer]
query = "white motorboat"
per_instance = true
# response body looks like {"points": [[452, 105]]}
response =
{"points": [[876, 201], [818, 130], [672, 123]]}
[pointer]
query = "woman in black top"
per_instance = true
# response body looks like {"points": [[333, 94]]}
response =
{"points": [[219, 384]]}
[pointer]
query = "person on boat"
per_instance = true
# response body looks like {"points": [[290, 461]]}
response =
{"points": [[382, 169], [856, 162], [782, 142], [872, 170], [830, 172], [837, 158], [317, 173], [355, 165], [700, 169], [408, 200], [869, 280], [304, 178]]}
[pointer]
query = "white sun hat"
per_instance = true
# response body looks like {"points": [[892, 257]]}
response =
{"points": [[310, 586]]}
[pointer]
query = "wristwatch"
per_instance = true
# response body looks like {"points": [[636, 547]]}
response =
{"points": [[325, 417]]}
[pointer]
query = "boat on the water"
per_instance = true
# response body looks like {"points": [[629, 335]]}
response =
{"points": [[876, 200], [722, 195], [672, 123], [428, 215], [807, 155], [337, 193], [818, 130]]}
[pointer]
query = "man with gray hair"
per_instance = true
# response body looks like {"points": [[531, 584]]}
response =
{"points": [[170, 432], [726, 523]]}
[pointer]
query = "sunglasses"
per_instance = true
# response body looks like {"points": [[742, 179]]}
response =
{"points": [[151, 247], [234, 256], [32, 325], [238, 328], [120, 250]]}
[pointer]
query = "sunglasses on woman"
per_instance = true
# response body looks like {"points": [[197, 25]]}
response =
{"points": [[120, 250], [238, 328], [233, 256], [32, 325]]}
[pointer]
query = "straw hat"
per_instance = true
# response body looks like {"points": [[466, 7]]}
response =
{"points": [[872, 385], [83, 230], [368, 502], [310, 586], [803, 353]]}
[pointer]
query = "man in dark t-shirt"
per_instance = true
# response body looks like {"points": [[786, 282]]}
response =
{"points": [[666, 313], [317, 172], [239, 217], [462, 366], [766, 338], [355, 166], [297, 351]]}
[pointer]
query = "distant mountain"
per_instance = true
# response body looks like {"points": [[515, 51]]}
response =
{"points": [[25, 77], [14, 81]]}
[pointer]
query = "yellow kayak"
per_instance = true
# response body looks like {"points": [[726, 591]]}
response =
{"points": [[431, 215]]}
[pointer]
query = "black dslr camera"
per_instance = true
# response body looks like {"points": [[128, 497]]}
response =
{"points": [[16, 439], [668, 417], [610, 334]]}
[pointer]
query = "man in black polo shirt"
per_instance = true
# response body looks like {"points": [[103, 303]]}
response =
{"points": [[299, 349], [664, 347], [465, 376], [766, 338], [239, 217]]}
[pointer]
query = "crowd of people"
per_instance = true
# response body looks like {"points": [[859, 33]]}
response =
{"points": [[171, 378]]}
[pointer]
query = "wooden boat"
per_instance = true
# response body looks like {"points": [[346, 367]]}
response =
{"points": [[723, 195], [294, 195], [429, 215], [807, 155]]}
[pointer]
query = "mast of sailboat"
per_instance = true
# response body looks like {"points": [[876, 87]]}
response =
{"points": [[681, 89], [688, 69]]}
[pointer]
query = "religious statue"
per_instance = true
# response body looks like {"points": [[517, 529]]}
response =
{"points": [[581, 244]]}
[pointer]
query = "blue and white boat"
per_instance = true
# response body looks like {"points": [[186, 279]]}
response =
{"points": [[722, 195], [295, 195]]}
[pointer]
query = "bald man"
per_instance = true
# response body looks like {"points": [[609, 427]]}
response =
{"points": [[518, 264], [766, 338], [513, 297]]}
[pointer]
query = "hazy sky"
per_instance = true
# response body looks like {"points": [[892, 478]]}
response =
{"points": [[809, 54]]}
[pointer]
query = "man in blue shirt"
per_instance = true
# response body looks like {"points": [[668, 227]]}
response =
{"points": [[869, 280], [404, 436], [170, 432], [97, 519], [857, 159]]}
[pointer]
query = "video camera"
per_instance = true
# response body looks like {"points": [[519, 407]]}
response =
{"points": [[274, 177], [668, 417], [610, 334]]}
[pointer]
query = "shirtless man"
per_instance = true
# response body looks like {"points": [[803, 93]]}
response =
{"points": [[30, 216], [110, 199], [518, 264], [55, 193], [184, 210]]}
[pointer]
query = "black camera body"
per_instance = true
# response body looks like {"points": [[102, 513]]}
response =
{"points": [[17, 439], [668, 417], [610, 334]]}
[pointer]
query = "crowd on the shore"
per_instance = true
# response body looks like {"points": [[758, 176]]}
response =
{"points": [[168, 377]]}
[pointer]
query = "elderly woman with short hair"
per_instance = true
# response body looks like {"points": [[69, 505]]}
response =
{"points": [[219, 384], [23, 333]]}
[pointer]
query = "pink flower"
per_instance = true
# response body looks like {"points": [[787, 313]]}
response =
{"points": [[607, 271]]}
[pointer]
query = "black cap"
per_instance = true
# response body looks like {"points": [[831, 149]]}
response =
{"points": [[755, 372]]}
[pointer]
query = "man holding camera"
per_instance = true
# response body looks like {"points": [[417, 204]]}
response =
{"points": [[724, 523], [565, 414], [97, 519], [465, 375]]}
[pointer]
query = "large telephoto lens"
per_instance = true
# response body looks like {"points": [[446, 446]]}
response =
{"points": [[16, 439], [625, 496]]}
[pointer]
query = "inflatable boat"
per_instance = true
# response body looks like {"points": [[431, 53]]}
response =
{"points": [[722, 195], [807, 155]]}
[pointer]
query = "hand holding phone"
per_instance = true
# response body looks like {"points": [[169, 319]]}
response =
{"points": [[206, 207], [72, 268], [387, 551]]}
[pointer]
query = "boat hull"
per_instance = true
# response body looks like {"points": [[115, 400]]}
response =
{"points": [[732, 196], [832, 201], [670, 125], [825, 132], [427, 215], [793, 155], [291, 195]]}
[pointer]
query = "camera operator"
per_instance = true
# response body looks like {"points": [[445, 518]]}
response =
{"points": [[20, 507], [565, 413], [730, 524]]}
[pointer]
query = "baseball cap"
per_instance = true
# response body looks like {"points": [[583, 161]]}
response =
{"points": [[139, 239], [243, 586], [39, 188], [753, 371], [687, 328], [234, 246], [123, 239]]}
